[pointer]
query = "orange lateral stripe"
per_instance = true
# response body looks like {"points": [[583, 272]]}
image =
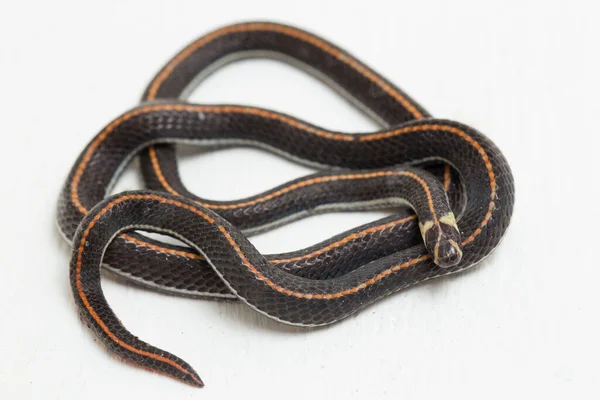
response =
{"points": [[188, 108], [309, 296], [286, 30], [447, 177], [234, 245], [247, 110], [301, 184], [347, 239], [471, 141], [162, 249], [236, 248], [161, 178], [169, 188], [158, 171], [334, 245], [427, 193], [93, 312]]}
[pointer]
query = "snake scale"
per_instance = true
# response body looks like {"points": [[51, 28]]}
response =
{"points": [[452, 188]]}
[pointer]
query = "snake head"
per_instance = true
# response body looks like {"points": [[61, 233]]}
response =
{"points": [[442, 239]]}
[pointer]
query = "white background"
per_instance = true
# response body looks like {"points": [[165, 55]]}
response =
{"points": [[523, 324]]}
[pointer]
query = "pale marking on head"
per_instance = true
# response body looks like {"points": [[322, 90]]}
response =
{"points": [[449, 219], [425, 227], [436, 252]]}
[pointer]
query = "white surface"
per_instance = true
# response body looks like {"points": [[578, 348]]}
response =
{"points": [[525, 324]]}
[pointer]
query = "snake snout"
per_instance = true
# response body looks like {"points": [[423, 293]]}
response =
{"points": [[442, 240], [447, 253]]}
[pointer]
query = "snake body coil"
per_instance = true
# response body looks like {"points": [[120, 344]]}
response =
{"points": [[463, 205]]}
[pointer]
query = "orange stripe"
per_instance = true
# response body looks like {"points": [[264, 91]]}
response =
{"points": [[188, 108], [447, 177], [263, 113], [238, 251], [334, 245], [471, 141], [162, 249], [290, 188], [286, 30], [161, 178], [427, 192], [158, 171], [276, 287], [317, 296], [347, 239], [93, 312]]}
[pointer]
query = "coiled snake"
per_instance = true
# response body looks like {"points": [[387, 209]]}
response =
{"points": [[433, 166]]}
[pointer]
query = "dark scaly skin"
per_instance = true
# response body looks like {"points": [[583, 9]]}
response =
{"points": [[174, 269], [278, 294], [488, 184], [307, 52], [224, 246], [105, 156]]}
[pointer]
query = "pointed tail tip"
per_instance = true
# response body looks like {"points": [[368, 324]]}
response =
{"points": [[195, 380]]}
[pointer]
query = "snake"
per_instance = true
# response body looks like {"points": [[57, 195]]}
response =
{"points": [[451, 188]]}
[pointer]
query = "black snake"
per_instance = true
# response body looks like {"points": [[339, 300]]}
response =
{"points": [[434, 166]]}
